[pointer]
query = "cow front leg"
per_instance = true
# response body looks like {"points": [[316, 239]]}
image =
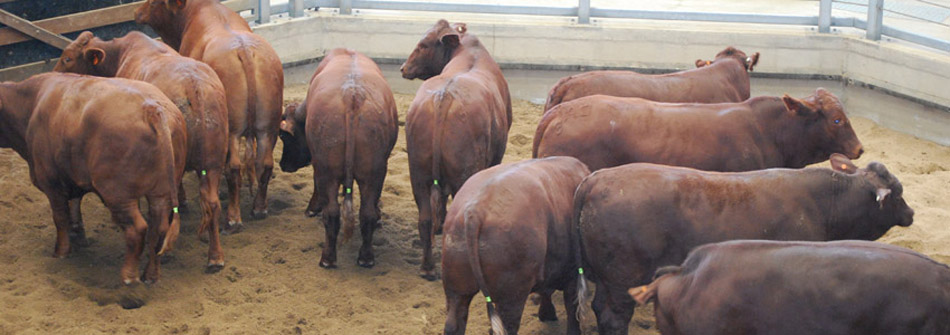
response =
{"points": [[60, 209], [234, 186], [77, 230], [264, 162], [317, 200]]}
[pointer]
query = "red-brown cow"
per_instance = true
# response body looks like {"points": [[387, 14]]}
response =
{"points": [[508, 233], [457, 125], [791, 288], [638, 217], [192, 86], [346, 129], [253, 81], [725, 79], [121, 139], [762, 132]]}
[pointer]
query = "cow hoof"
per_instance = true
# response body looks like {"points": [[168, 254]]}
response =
{"points": [[310, 213], [214, 267], [428, 275], [232, 228], [131, 302], [79, 241], [327, 265], [259, 215], [366, 264]]}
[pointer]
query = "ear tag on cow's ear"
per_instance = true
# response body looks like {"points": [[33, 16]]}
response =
{"points": [[708, 62], [349, 190], [95, 60], [845, 167]]}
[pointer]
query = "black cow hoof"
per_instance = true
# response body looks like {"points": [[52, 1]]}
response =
{"points": [[327, 265], [232, 228], [77, 242], [366, 264], [214, 268], [259, 215], [310, 213], [428, 275]]}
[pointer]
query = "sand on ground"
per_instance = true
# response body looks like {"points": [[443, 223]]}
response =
{"points": [[271, 283]]}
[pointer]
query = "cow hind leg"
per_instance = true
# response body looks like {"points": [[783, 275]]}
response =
{"points": [[210, 218], [427, 269], [456, 306], [60, 208], [510, 312], [617, 313], [369, 218], [234, 186], [317, 200], [77, 230], [546, 311], [130, 219], [264, 163], [331, 224], [570, 306]]}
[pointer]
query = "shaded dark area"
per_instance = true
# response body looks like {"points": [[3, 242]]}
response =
{"points": [[33, 10]]}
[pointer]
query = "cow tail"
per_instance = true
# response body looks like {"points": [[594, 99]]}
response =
{"points": [[246, 57], [583, 297], [472, 228], [352, 103], [443, 105], [160, 125]]}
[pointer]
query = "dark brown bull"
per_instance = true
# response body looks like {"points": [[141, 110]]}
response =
{"points": [[192, 86], [253, 81], [762, 132], [346, 129], [118, 138], [725, 79], [766, 287], [638, 217], [507, 234], [457, 125]]}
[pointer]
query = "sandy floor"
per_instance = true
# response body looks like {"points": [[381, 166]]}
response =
{"points": [[272, 284]]}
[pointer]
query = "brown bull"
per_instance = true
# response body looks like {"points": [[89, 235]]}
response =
{"points": [[457, 125], [725, 79], [253, 81], [192, 86], [118, 138], [791, 288], [508, 233], [762, 132], [638, 217], [346, 129]]}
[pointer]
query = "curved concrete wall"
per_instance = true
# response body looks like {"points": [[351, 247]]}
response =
{"points": [[901, 69]]}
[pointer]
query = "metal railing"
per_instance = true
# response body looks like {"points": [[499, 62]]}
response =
{"points": [[583, 12]]}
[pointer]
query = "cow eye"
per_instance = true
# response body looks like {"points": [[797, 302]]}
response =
{"points": [[837, 121], [67, 59]]}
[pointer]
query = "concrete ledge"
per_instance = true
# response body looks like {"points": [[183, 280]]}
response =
{"points": [[557, 43]]}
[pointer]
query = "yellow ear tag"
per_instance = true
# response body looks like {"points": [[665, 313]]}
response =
{"points": [[95, 60], [708, 62], [844, 167]]}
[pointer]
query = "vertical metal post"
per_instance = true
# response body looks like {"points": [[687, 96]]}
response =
{"points": [[346, 7], [296, 8], [875, 18], [583, 11], [263, 12], [824, 16]]}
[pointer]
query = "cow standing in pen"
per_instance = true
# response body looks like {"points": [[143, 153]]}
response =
{"points": [[759, 133], [457, 125], [791, 288], [508, 233], [635, 218], [253, 80], [120, 139], [346, 128], [725, 79], [196, 91]]}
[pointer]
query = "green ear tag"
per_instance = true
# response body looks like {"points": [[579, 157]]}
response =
{"points": [[204, 172], [487, 299], [349, 190], [175, 210], [436, 182], [580, 270]]}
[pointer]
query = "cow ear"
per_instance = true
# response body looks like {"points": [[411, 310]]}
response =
{"points": [[643, 294], [842, 163], [94, 55], [287, 126], [881, 194], [752, 61], [798, 106], [175, 5], [701, 63], [450, 38]]}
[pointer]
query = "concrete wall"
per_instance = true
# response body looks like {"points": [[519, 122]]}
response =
{"points": [[902, 69]]}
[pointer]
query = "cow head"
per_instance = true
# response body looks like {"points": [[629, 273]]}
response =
{"points": [[163, 16], [883, 194], [434, 51], [82, 57], [293, 133], [826, 130], [732, 53]]}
